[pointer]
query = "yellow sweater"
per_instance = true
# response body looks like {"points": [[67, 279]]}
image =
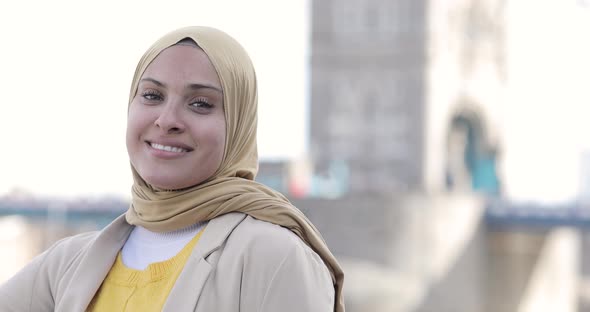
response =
{"points": [[129, 290]]}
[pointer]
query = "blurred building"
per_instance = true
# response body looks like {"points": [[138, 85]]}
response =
{"points": [[407, 93], [368, 87]]}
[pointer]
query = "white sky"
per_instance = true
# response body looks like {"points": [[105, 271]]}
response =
{"points": [[547, 126], [66, 69]]}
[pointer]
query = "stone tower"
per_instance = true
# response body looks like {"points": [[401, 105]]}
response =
{"points": [[367, 91]]}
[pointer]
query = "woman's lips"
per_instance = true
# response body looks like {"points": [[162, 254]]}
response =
{"points": [[166, 151], [168, 148]]}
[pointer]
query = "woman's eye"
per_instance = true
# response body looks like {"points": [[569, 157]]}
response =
{"points": [[201, 104], [152, 96]]}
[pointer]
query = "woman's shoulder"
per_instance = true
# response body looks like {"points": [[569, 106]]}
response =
{"points": [[111, 236], [259, 239], [266, 235], [278, 269], [40, 277], [74, 243], [66, 250]]}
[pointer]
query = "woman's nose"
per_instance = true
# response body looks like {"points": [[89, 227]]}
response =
{"points": [[169, 119]]}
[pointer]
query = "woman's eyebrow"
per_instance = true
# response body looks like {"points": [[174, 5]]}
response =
{"points": [[156, 82], [194, 86]]}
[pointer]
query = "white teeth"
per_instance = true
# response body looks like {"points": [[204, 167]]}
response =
{"points": [[168, 148]]}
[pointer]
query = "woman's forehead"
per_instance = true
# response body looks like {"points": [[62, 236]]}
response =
{"points": [[183, 63]]}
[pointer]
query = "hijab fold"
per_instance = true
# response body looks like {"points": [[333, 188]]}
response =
{"points": [[231, 188]]}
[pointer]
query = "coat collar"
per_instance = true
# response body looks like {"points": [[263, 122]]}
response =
{"points": [[94, 266], [189, 285], [102, 252]]}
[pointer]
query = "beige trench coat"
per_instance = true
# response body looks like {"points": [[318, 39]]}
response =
{"points": [[239, 264]]}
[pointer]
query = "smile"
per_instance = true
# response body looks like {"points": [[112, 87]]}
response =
{"points": [[166, 148]]}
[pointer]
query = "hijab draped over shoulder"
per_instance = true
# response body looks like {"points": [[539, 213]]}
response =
{"points": [[232, 187]]}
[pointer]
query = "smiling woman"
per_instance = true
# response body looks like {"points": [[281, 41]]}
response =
{"points": [[200, 234], [176, 123]]}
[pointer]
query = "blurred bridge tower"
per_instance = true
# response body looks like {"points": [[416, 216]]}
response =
{"points": [[408, 96]]}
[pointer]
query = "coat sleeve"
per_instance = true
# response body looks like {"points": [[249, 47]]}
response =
{"points": [[27, 290], [301, 282]]}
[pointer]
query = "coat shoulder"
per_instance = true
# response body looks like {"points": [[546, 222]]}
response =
{"points": [[34, 287], [279, 271], [265, 239], [69, 248], [74, 244], [260, 243]]}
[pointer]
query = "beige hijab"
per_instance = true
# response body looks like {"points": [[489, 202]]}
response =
{"points": [[231, 188]]}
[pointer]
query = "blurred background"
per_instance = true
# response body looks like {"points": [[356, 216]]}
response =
{"points": [[441, 147]]}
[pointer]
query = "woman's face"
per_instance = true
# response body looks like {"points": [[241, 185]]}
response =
{"points": [[176, 123]]}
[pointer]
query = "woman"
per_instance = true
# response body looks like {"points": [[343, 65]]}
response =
{"points": [[200, 234]]}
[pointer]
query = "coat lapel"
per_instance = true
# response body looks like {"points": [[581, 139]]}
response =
{"points": [[94, 266], [189, 285]]}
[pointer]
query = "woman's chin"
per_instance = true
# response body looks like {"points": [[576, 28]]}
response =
{"points": [[163, 183], [168, 184]]}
